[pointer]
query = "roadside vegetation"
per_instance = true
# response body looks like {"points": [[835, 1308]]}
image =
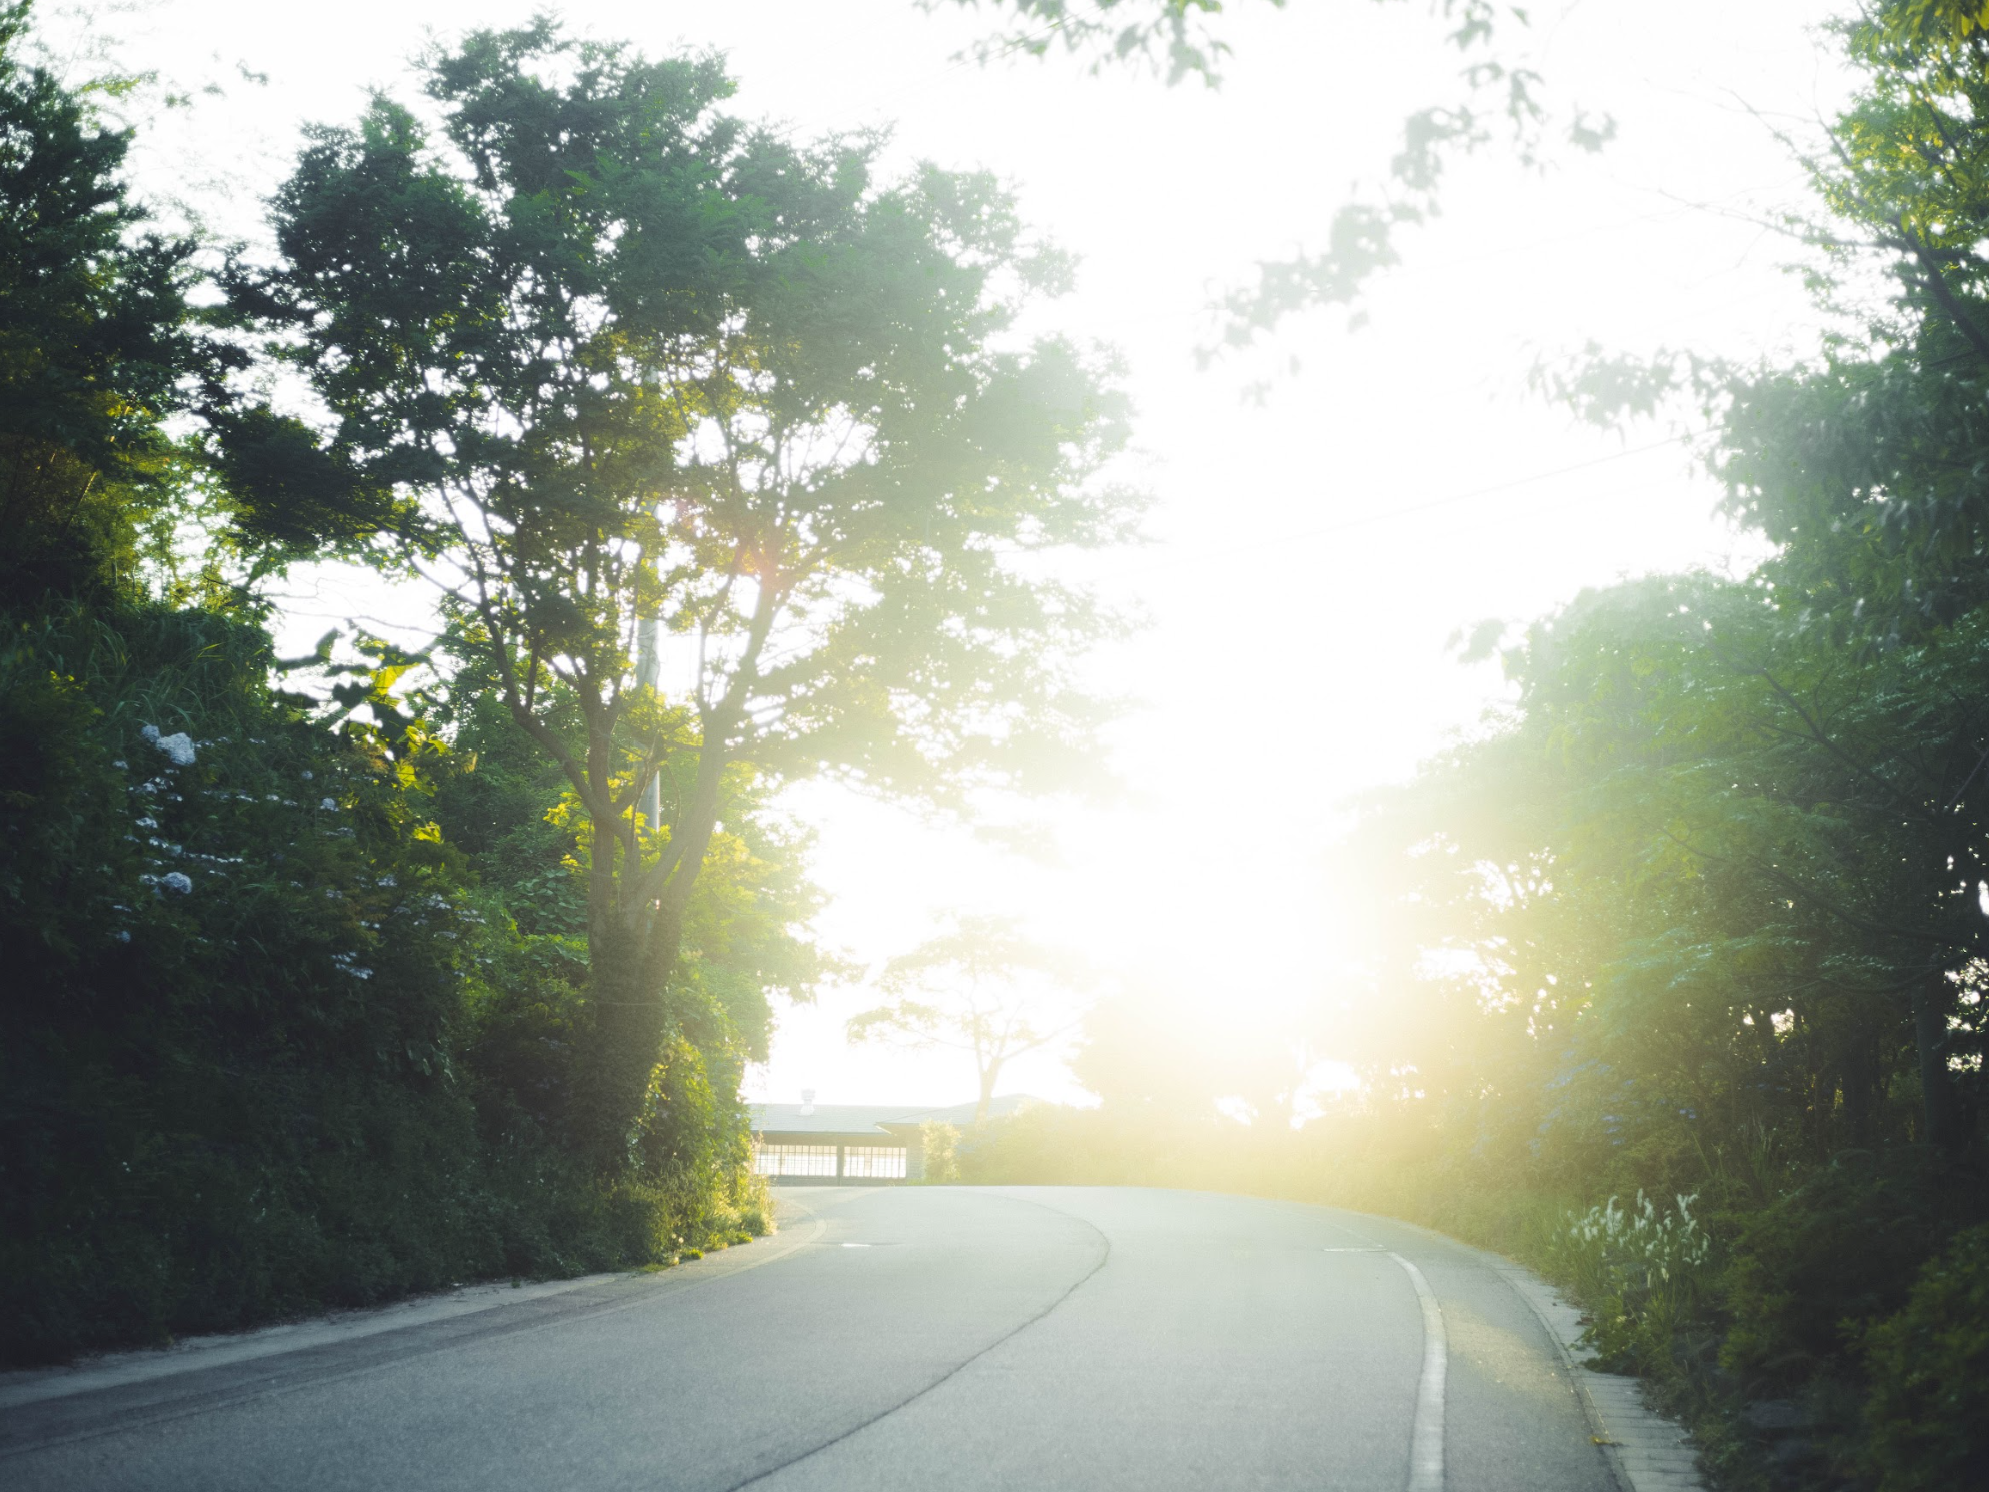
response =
{"points": [[336, 977]]}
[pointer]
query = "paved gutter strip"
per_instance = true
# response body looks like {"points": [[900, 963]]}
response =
{"points": [[1647, 1452], [197, 1354], [52, 1406]]}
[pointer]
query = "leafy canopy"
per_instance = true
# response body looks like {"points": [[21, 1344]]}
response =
{"points": [[597, 359], [95, 348]]}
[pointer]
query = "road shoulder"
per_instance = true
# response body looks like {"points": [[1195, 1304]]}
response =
{"points": [[22, 1389], [1648, 1452]]}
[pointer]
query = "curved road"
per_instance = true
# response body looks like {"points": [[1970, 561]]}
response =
{"points": [[923, 1338]]}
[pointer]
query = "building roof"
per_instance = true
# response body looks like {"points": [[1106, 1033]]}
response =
{"points": [[857, 1118]]}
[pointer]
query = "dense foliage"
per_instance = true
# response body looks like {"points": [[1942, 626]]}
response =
{"points": [[657, 382], [337, 977]]}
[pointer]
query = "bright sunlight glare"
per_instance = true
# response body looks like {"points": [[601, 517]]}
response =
{"points": [[1333, 506]]}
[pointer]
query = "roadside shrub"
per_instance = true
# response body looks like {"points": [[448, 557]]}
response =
{"points": [[1824, 1259], [1929, 1363], [939, 1143], [226, 1083], [265, 1046]]}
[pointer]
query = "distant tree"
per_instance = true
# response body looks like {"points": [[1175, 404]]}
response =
{"points": [[599, 360], [980, 987]]}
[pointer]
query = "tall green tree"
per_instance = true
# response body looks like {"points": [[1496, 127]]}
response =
{"points": [[1866, 468], [609, 356], [1866, 465], [96, 348]]}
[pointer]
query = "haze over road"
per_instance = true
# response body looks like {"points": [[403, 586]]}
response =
{"points": [[918, 1338]]}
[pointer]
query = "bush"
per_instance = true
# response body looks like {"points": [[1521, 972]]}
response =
{"points": [[227, 1041], [939, 1145], [264, 1045], [1824, 1259], [1929, 1408]]}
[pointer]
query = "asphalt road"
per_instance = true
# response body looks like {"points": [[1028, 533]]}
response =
{"points": [[924, 1338]]}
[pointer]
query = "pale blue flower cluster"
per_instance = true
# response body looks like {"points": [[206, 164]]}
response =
{"points": [[178, 747]]}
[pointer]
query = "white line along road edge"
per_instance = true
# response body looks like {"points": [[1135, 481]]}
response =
{"points": [[1426, 1439]]}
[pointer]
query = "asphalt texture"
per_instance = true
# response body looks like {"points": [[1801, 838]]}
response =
{"points": [[926, 1338]]}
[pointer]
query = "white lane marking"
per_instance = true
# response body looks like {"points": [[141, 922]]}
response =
{"points": [[1426, 1438]]}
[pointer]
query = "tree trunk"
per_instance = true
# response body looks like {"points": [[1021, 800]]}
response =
{"points": [[988, 1076], [1932, 999], [1857, 1079], [628, 1017], [635, 925]]}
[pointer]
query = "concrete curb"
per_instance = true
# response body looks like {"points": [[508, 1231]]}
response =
{"points": [[1647, 1452]]}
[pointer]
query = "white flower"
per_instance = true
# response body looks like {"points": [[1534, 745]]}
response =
{"points": [[307, 776], [386, 881], [329, 804], [174, 880], [178, 746], [123, 936]]}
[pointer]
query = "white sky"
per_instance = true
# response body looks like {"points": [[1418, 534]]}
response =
{"points": [[1309, 562]]}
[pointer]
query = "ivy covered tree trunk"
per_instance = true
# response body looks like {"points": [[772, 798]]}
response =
{"points": [[629, 1020]]}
